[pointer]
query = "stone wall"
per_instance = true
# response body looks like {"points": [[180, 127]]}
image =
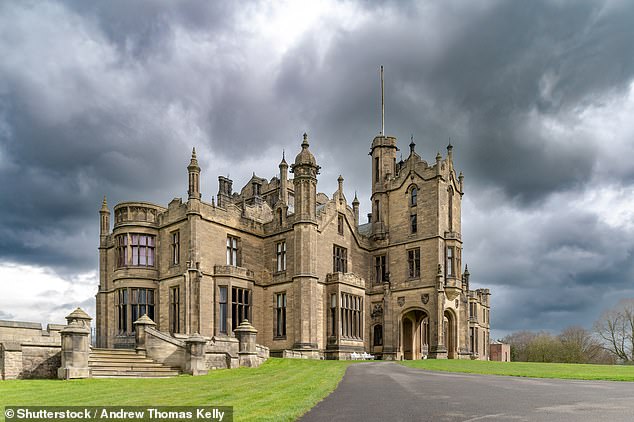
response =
{"points": [[28, 351]]}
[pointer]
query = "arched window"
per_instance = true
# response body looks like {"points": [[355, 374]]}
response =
{"points": [[413, 197]]}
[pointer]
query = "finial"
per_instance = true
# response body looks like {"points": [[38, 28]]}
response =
{"points": [[355, 200], [449, 147], [461, 176], [340, 182], [305, 141], [438, 156], [194, 152], [466, 269], [283, 154], [104, 204], [412, 145]]}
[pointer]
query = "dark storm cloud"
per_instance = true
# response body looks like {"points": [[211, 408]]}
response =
{"points": [[109, 97]]}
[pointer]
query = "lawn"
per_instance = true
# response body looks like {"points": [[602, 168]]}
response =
{"points": [[280, 389], [529, 369]]}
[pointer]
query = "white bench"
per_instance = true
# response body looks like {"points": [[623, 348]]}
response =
{"points": [[361, 356]]}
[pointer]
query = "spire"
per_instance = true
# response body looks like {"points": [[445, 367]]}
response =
{"points": [[449, 147], [283, 163], [340, 182], [382, 105], [355, 200], [104, 205]]}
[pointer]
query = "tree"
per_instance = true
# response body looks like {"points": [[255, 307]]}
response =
{"points": [[616, 330], [579, 346]]}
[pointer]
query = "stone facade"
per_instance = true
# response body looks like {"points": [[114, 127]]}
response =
{"points": [[299, 265]]}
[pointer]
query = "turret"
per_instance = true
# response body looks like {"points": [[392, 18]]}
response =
{"points": [[194, 177], [283, 180], [305, 170], [104, 219], [355, 209]]}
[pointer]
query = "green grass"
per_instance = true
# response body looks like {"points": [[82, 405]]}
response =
{"points": [[529, 369], [280, 389]]}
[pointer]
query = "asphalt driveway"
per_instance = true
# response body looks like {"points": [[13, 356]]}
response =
{"points": [[385, 391]]}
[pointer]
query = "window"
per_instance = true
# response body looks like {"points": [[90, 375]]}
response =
{"points": [[450, 262], [413, 197], [376, 169], [122, 308], [378, 335], [280, 315], [222, 300], [122, 250], [256, 189], [450, 213], [142, 250], [232, 251], [132, 304], [280, 252], [240, 306], [380, 269], [339, 259], [142, 303], [340, 224], [351, 316], [413, 225], [413, 262], [333, 314], [280, 217], [175, 304], [175, 247]]}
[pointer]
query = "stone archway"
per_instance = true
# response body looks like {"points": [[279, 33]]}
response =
{"points": [[415, 334], [449, 334]]}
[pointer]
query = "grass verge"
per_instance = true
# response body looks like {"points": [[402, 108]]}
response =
{"points": [[529, 369], [280, 390]]}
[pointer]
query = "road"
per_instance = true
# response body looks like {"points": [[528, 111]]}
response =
{"points": [[386, 391]]}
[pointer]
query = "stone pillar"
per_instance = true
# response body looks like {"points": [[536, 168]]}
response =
{"points": [[246, 351], [195, 355], [140, 326], [10, 361], [75, 346]]}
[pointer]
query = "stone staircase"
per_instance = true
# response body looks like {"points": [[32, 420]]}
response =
{"points": [[124, 363]]}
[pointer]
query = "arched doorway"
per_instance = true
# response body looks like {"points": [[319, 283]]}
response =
{"points": [[449, 334], [415, 337]]}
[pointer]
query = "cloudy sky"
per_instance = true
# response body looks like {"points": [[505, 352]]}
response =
{"points": [[108, 98]]}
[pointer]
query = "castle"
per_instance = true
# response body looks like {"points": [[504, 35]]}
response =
{"points": [[300, 266]]}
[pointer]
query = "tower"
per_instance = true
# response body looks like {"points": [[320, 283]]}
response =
{"points": [[101, 305], [305, 280]]}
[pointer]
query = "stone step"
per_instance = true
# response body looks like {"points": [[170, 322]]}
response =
{"points": [[113, 351], [125, 364], [119, 363], [133, 374], [133, 368], [118, 359]]}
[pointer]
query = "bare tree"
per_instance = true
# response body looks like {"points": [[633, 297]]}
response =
{"points": [[616, 330]]}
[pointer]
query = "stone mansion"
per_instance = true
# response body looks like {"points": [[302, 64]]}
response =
{"points": [[299, 265]]}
